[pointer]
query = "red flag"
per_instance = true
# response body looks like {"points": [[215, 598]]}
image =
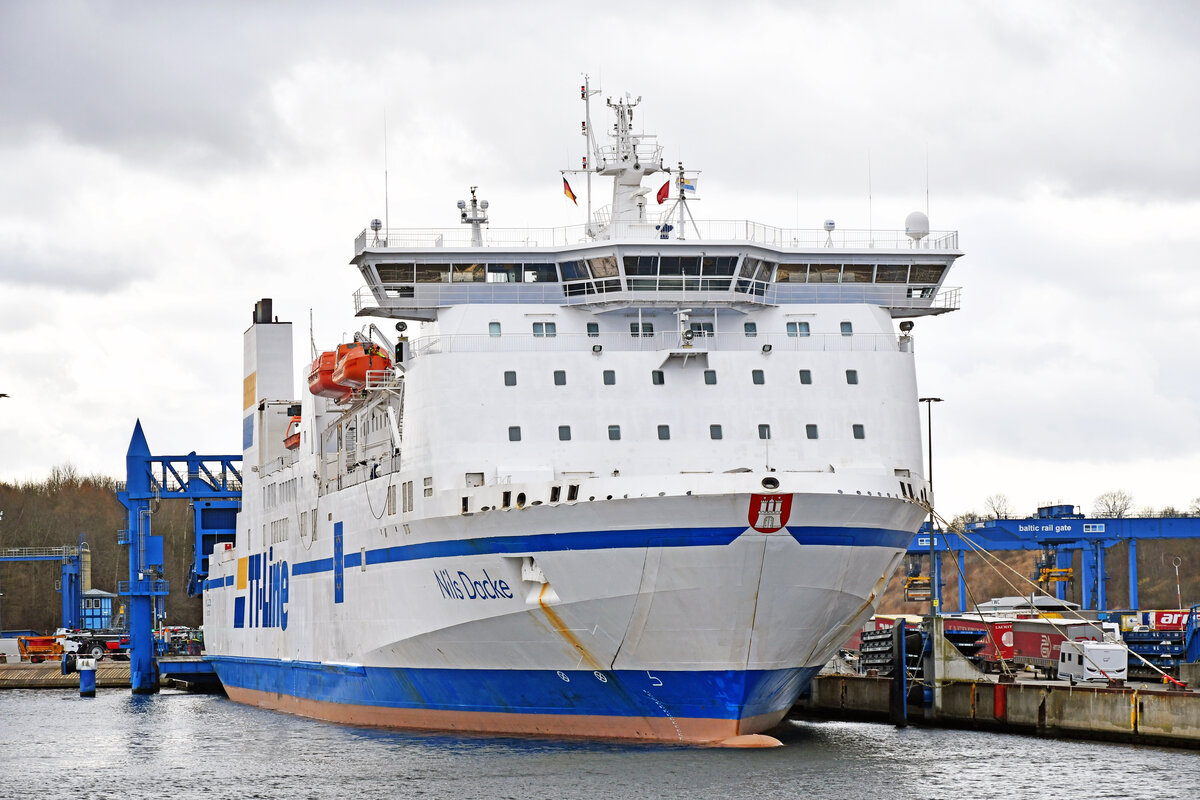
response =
{"points": [[663, 192], [567, 191]]}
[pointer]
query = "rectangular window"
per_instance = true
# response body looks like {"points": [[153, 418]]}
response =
{"points": [[641, 329], [510, 378], [714, 431], [751, 328], [710, 377], [614, 432], [391, 504], [493, 329], [847, 329], [593, 329], [560, 377], [564, 433], [810, 431], [610, 377], [701, 328], [545, 329], [664, 432], [764, 431], [852, 376], [657, 377], [797, 329], [572, 492], [555, 493], [758, 377], [514, 433], [806, 376], [859, 433]]}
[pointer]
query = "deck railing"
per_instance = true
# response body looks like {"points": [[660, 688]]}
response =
{"points": [[706, 230]]}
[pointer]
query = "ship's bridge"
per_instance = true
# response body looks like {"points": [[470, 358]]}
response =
{"points": [[410, 274]]}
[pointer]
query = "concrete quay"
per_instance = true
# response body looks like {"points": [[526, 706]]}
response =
{"points": [[1141, 713], [110, 674]]}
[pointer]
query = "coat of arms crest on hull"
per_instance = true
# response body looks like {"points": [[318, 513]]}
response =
{"points": [[769, 512]]}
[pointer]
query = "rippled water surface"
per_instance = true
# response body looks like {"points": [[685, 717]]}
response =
{"points": [[54, 744]]}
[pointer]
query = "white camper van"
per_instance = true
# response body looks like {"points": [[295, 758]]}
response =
{"points": [[1093, 661]]}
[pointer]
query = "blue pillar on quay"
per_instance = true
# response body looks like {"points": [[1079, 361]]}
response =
{"points": [[145, 565]]}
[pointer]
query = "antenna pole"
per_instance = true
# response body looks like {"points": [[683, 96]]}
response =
{"points": [[926, 181], [590, 145], [386, 221], [870, 204]]}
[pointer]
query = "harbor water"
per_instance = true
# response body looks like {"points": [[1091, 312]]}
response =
{"points": [[54, 743]]}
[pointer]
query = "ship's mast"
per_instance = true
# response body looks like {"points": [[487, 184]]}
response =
{"points": [[586, 92]]}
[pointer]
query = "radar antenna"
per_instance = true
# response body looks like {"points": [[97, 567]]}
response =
{"points": [[474, 215]]}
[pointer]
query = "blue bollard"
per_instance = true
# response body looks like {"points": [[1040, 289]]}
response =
{"points": [[87, 676]]}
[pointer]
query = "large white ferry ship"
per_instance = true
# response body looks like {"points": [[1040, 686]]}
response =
{"points": [[637, 479]]}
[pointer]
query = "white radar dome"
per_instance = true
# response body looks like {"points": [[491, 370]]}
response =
{"points": [[829, 225], [916, 226]]}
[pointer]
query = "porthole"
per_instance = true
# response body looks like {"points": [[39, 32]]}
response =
{"points": [[770, 484]]}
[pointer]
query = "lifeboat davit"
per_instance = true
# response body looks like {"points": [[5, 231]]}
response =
{"points": [[320, 377], [292, 439], [355, 360]]}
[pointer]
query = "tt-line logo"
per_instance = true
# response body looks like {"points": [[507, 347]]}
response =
{"points": [[462, 586]]}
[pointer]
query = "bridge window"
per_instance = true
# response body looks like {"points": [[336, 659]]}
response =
{"points": [[797, 329], [757, 377], [503, 273], [603, 267], [614, 432], [641, 265], [714, 431], [764, 431], [593, 329], [806, 376], [859, 432], [546, 329], [560, 377], [493, 329], [610, 377], [926, 273], [891, 273], [540, 273], [857, 273], [510, 378], [824, 273], [847, 329], [514, 433], [810, 431], [395, 273], [664, 432], [852, 376], [657, 377], [469, 273], [710, 377], [433, 273], [573, 271], [791, 273], [564, 433]]}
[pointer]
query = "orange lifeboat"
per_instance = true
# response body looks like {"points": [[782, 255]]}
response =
{"points": [[320, 377], [354, 360], [292, 439]]}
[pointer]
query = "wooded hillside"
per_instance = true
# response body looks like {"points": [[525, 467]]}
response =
{"points": [[54, 513]]}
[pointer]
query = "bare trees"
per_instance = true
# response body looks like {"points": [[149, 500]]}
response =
{"points": [[997, 505], [1115, 503]]}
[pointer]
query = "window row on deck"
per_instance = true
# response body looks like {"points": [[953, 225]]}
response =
{"points": [[550, 329], [715, 432], [658, 377]]}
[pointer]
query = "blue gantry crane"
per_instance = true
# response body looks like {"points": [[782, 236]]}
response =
{"points": [[214, 485], [70, 583], [1058, 531]]}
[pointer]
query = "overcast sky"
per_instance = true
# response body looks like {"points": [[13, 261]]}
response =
{"points": [[164, 165]]}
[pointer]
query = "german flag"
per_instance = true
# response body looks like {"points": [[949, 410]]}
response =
{"points": [[567, 191]]}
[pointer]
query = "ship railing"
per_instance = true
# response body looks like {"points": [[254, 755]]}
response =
{"points": [[664, 341], [666, 290], [706, 230]]}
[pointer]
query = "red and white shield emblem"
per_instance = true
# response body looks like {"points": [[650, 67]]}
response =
{"points": [[769, 512]]}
